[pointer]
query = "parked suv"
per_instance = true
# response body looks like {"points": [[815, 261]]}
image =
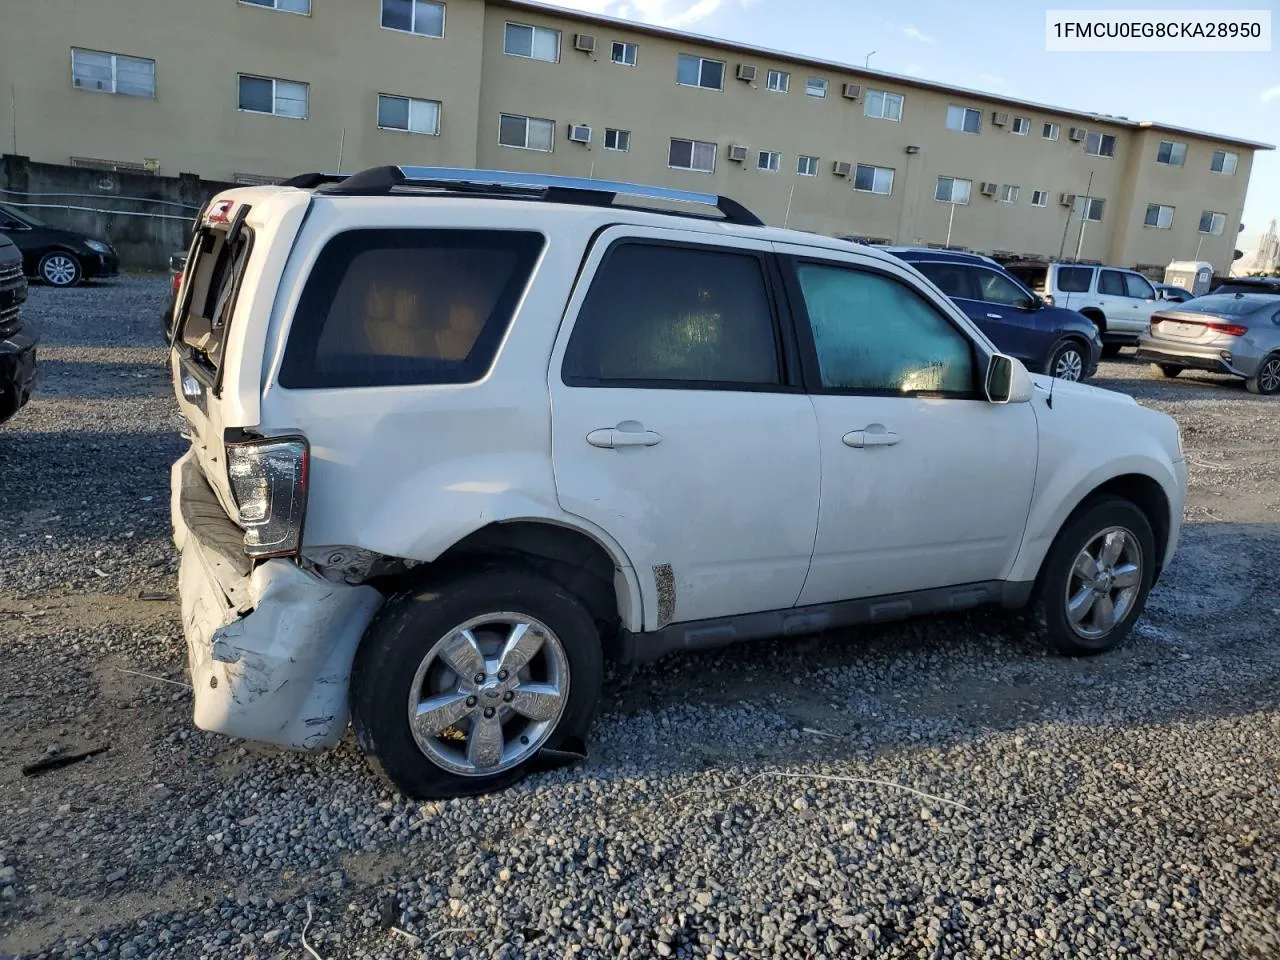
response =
{"points": [[60, 258], [458, 436], [1119, 302], [1058, 342], [17, 344]]}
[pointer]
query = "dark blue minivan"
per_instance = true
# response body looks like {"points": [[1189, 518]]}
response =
{"points": [[1052, 340]]}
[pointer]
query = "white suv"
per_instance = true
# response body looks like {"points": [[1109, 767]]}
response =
{"points": [[460, 436], [1119, 302]]}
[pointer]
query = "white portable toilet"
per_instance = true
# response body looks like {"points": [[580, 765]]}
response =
{"points": [[1194, 276]]}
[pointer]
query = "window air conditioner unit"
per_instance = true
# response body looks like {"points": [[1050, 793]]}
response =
{"points": [[738, 153], [989, 189], [1077, 133], [842, 168], [747, 72], [851, 91], [584, 42], [1000, 119], [1066, 199], [579, 133]]}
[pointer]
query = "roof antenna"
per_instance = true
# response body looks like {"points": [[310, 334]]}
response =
{"points": [[1049, 402]]}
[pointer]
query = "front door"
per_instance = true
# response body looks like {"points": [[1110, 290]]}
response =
{"points": [[924, 483], [679, 424]]}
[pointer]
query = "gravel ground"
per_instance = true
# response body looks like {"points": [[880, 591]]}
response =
{"points": [[939, 788]]}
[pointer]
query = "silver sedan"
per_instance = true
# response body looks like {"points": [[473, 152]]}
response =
{"points": [[1230, 333]]}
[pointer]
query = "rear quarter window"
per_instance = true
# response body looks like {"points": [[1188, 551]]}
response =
{"points": [[1074, 279], [407, 307]]}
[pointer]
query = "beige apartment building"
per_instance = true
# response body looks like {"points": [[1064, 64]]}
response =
{"points": [[257, 89]]}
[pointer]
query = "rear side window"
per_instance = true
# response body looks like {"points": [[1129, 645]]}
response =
{"points": [[951, 278], [1111, 283], [217, 261], [398, 307], [1074, 279], [675, 316]]}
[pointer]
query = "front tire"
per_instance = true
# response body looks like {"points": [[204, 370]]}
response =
{"points": [[461, 682], [1068, 362], [1267, 380], [1095, 580], [1169, 370], [60, 269]]}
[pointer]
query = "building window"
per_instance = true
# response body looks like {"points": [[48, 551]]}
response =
{"points": [[113, 73], [694, 71], [1021, 126], [1223, 162], [533, 43], [692, 155], [1009, 193], [1090, 208], [624, 53], [1213, 223], [1049, 131], [408, 114], [1158, 215], [778, 81], [1039, 198], [526, 133], [281, 98], [769, 160], [869, 179], [284, 6], [964, 119], [422, 17], [1100, 145], [807, 166], [619, 140], [1172, 153], [815, 87], [883, 106], [952, 190]]}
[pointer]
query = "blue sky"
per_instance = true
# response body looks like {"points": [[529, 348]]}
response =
{"points": [[998, 46]]}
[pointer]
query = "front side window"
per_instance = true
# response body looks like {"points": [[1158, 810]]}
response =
{"points": [[1100, 145], [869, 179], [395, 307], [997, 288], [286, 6], [409, 114], [815, 87], [112, 73], [423, 17], [952, 190], [807, 166], [779, 81], [872, 333], [708, 324], [964, 119], [1090, 208], [1009, 193], [526, 133], [694, 71], [1137, 287], [1213, 223], [1223, 162], [1039, 198], [624, 53], [1075, 279], [533, 43], [282, 98], [883, 105], [769, 160], [1049, 131], [1111, 283], [692, 155], [1021, 126], [953, 279], [1159, 215], [619, 140], [1172, 153]]}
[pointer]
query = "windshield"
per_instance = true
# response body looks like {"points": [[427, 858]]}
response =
{"points": [[22, 216], [1228, 306]]}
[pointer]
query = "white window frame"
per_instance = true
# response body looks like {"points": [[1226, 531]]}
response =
{"points": [[413, 16], [411, 101], [885, 98], [1009, 193], [875, 177], [1049, 130], [1020, 122], [1102, 139], [1225, 154], [275, 5], [533, 41], [1160, 216], [625, 45], [527, 120], [1084, 207], [784, 83], [1214, 218], [693, 144], [768, 161], [275, 97], [805, 160], [724, 66], [964, 116], [1173, 146], [617, 133], [952, 192], [115, 73], [809, 87], [1039, 198]]}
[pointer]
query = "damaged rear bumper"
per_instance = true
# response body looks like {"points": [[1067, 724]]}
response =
{"points": [[270, 646]]}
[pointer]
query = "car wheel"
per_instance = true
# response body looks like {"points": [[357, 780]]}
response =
{"points": [[461, 682], [1095, 580], [1110, 350], [60, 269], [1067, 362], [1169, 370], [1267, 380]]}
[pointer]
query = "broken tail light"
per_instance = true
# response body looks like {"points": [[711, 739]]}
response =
{"points": [[269, 485]]}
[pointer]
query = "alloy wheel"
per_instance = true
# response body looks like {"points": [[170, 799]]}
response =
{"points": [[59, 270], [1104, 583], [1269, 376], [1069, 365]]}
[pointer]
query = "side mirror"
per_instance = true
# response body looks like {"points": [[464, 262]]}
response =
{"points": [[1007, 380]]}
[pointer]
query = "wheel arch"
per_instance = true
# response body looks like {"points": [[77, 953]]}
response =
{"points": [[1096, 315]]}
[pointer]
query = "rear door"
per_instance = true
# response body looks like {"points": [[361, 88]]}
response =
{"points": [[679, 423]]}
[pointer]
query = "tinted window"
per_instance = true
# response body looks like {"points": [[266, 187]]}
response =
{"points": [[996, 288], [1074, 279], [1033, 275], [873, 333], [1138, 287], [674, 315], [1111, 283], [386, 307], [951, 278]]}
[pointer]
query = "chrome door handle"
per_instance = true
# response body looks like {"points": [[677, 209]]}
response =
{"points": [[874, 435], [995, 316], [628, 433]]}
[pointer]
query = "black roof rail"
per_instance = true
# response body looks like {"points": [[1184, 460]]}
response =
{"points": [[556, 189], [308, 181]]}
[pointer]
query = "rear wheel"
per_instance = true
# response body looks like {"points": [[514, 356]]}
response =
{"points": [[60, 269], [1169, 370], [1267, 380], [1067, 362]]}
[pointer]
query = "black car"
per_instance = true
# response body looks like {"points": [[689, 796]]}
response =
{"points": [[17, 345], [61, 258], [1249, 285]]}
